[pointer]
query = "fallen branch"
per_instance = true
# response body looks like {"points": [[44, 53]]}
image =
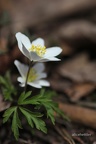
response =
{"points": [[80, 114]]}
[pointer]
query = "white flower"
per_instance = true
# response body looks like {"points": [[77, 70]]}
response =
{"points": [[35, 75], [36, 51]]}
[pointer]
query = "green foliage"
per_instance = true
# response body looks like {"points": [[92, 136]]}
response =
{"points": [[8, 113], [16, 123], [42, 99], [23, 96], [33, 118], [7, 87]]}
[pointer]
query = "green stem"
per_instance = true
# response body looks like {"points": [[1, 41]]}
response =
{"points": [[27, 76]]}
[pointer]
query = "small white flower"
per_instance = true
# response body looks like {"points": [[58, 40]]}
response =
{"points": [[35, 75], [36, 51]]}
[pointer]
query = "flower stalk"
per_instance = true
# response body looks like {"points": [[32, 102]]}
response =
{"points": [[30, 63]]}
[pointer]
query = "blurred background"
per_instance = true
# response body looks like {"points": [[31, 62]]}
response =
{"points": [[71, 25]]}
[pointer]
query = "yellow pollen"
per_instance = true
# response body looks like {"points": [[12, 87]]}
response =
{"points": [[32, 75], [40, 50]]}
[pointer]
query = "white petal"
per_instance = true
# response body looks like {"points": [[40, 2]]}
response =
{"points": [[23, 39], [34, 56], [44, 83], [38, 41], [51, 52], [21, 68], [22, 85], [26, 53], [53, 59], [44, 60], [21, 45], [34, 84], [42, 75], [21, 80], [49, 59], [39, 67]]}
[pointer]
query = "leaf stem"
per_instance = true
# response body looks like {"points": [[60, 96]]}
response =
{"points": [[27, 76]]}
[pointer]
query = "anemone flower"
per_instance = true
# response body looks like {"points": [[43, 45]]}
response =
{"points": [[36, 51], [35, 77]]}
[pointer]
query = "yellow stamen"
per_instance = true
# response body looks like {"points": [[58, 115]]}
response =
{"points": [[32, 75], [40, 50]]}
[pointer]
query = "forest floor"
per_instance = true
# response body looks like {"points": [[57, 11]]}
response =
{"points": [[70, 25]]}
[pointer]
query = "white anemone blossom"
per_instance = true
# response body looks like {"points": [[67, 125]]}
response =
{"points": [[35, 75], [36, 51]]}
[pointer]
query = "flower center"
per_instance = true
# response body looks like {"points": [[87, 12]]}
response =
{"points": [[40, 50], [32, 75]]}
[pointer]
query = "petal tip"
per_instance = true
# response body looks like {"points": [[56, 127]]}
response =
{"points": [[18, 34], [15, 62]]}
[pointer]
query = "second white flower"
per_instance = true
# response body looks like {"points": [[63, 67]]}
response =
{"points": [[35, 77]]}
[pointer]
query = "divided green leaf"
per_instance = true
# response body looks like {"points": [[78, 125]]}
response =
{"points": [[8, 113], [24, 96], [34, 119], [43, 99], [7, 87], [16, 123]]}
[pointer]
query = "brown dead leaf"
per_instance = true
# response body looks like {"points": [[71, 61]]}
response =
{"points": [[77, 91], [80, 114], [78, 29], [79, 69], [66, 48], [60, 85], [3, 105], [3, 44]]}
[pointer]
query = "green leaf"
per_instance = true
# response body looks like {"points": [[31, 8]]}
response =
{"points": [[61, 113], [16, 124], [7, 94], [35, 100], [42, 92], [50, 114], [34, 119], [7, 87], [18, 121], [8, 113], [44, 99], [3, 81], [23, 97]]}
